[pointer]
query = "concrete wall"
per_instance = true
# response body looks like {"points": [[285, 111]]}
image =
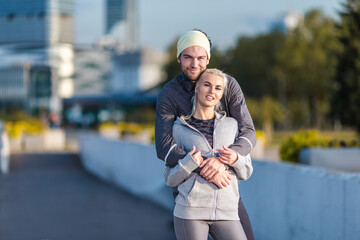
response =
{"points": [[284, 201], [131, 166], [344, 159]]}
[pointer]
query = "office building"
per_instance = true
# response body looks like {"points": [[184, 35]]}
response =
{"points": [[136, 71], [28, 87], [92, 68], [40, 22], [39, 34], [122, 22]]}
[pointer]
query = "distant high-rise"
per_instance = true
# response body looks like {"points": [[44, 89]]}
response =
{"points": [[36, 21], [36, 49], [121, 22]]}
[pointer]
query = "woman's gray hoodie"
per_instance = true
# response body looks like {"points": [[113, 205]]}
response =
{"points": [[197, 198]]}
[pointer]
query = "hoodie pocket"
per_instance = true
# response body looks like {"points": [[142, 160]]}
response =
{"points": [[202, 193], [228, 198]]}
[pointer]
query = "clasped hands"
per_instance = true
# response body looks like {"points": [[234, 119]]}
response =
{"points": [[214, 169]]}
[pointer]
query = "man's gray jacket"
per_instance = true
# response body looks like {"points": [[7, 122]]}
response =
{"points": [[174, 100]]}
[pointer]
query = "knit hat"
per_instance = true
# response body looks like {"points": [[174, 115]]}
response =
{"points": [[193, 38]]}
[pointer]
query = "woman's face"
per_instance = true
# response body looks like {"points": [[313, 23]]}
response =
{"points": [[209, 90]]}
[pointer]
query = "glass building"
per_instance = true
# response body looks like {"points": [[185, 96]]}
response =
{"points": [[121, 22], [36, 53], [36, 21]]}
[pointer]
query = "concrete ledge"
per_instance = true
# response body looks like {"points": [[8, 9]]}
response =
{"points": [[284, 201], [132, 166], [342, 159]]}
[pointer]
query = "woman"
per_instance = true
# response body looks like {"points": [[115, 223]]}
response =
{"points": [[202, 207]]}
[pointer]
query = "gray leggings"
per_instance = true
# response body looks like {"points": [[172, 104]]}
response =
{"points": [[186, 229]]}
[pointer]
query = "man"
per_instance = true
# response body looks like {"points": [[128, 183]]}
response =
{"points": [[175, 99]]}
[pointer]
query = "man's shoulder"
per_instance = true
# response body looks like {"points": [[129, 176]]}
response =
{"points": [[170, 86], [231, 79], [168, 91], [233, 87]]}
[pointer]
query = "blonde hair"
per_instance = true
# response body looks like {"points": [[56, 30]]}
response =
{"points": [[212, 71]]}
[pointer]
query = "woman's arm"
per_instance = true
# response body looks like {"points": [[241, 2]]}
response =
{"points": [[175, 176]]}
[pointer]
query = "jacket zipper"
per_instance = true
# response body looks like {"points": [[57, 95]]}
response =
{"points": [[207, 142], [216, 192]]}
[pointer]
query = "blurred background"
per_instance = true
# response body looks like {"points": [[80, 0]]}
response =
{"points": [[73, 67], [97, 64]]}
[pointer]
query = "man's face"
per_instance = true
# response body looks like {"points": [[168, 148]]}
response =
{"points": [[193, 61]]}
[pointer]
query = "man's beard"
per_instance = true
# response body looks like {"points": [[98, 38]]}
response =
{"points": [[191, 77]]}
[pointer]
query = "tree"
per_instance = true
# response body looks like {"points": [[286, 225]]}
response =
{"points": [[172, 67], [252, 61], [346, 100], [266, 113], [306, 64]]}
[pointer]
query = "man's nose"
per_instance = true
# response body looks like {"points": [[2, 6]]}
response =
{"points": [[194, 63]]}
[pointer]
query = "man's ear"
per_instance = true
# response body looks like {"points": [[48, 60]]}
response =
{"points": [[178, 59]]}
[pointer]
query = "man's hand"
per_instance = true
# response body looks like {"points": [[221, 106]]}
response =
{"points": [[222, 180], [196, 156], [227, 156], [212, 166]]}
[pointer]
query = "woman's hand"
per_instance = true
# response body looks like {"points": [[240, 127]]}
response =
{"points": [[211, 167], [196, 156], [222, 180], [227, 156]]}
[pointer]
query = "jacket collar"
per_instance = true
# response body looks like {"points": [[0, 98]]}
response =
{"points": [[218, 117], [188, 85]]}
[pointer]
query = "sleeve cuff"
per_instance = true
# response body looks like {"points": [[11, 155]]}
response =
{"points": [[239, 162], [188, 163]]}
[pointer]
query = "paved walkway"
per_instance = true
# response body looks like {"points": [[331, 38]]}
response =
{"points": [[50, 196]]}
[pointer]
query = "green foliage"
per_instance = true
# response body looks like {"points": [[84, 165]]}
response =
{"points": [[290, 148], [346, 100], [252, 61], [265, 113], [306, 65], [172, 67]]}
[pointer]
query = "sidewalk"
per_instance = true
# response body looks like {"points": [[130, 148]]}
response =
{"points": [[50, 196]]}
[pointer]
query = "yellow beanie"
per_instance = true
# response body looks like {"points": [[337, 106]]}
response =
{"points": [[193, 38]]}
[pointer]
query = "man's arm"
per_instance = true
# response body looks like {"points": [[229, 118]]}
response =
{"points": [[166, 148], [237, 109]]}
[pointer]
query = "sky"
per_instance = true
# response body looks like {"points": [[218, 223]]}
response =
{"points": [[161, 22]]}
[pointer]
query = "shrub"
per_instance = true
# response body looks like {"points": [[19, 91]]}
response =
{"points": [[125, 128], [31, 126], [290, 148]]}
